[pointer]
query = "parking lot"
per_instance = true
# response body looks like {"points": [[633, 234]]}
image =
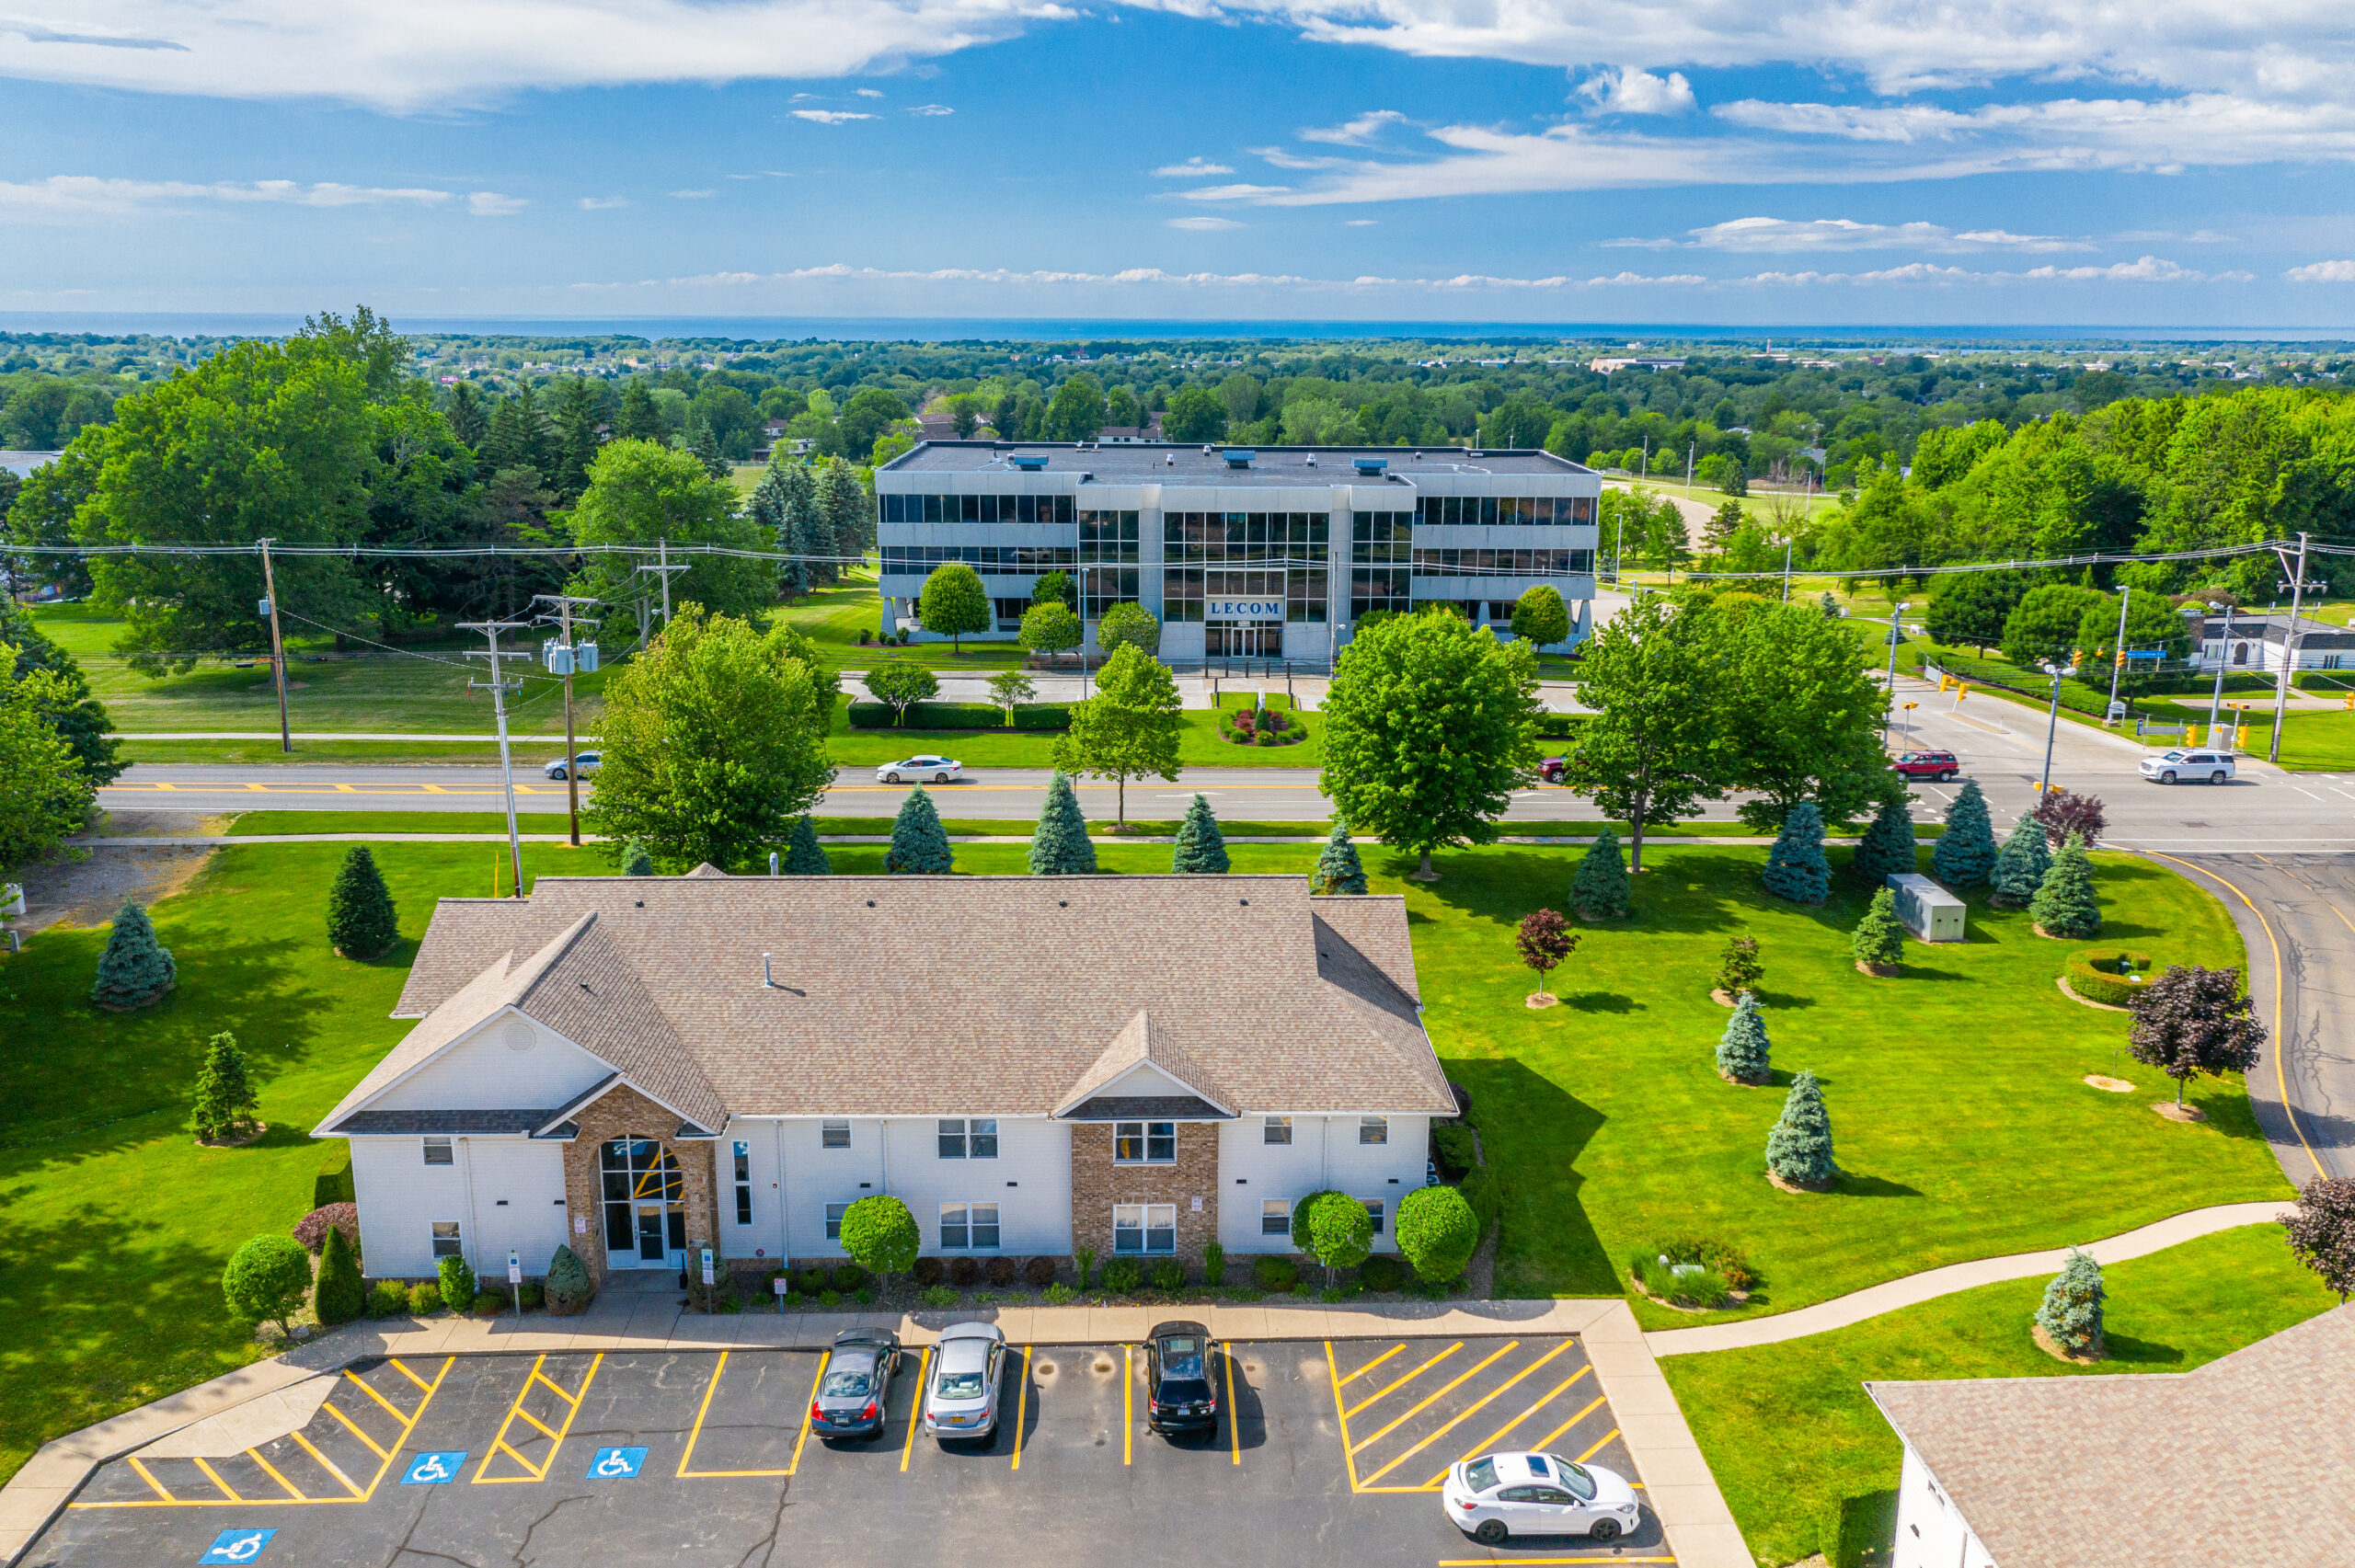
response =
{"points": [[1325, 1450]]}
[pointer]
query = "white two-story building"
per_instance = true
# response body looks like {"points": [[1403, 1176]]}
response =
{"points": [[1135, 1065]]}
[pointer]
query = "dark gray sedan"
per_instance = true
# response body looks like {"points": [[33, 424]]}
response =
{"points": [[854, 1396]]}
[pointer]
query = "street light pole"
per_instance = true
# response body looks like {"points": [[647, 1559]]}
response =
{"points": [[2216, 700], [2117, 654], [2051, 729], [1896, 615], [277, 646]]}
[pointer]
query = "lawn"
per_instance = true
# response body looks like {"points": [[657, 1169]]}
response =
{"points": [[267, 824], [1790, 1433], [1201, 743]]}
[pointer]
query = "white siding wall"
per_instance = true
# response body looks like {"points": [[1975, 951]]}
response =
{"points": [[480, 1073], [815, 1177], [764, 1239], [1930, 1531], [400, 1196], [1034, 1154], [518, 1203], [1324, 1152]]}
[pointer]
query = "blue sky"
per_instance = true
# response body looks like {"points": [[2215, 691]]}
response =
{"points": [[1835, 161]]}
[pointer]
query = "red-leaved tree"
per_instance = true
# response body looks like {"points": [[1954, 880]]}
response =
{"points": [[2191, 1020], [1545, 939], [2061, 814], [2322, 1231]]}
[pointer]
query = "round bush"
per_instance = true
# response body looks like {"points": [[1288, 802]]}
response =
{"points": [[489, 1301], [999, 1271], [313, 1230], [568, 1285], [1341, 1231], [2101, 974], [533, 1294], [1438, 1233], [1167, 1276], [964, 1273], [882, 1235], [1382, 1271], [927, 1272], [267, 1279], [809, 1281], [1040, 1271], [848, 1277], [1274, 1273], [424, 1301], [388, 1298], [1123, 1275]]}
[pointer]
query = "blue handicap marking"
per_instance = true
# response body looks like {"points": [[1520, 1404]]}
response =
{"points": [[437, 1469], [237, 1545], [617, 1464]]}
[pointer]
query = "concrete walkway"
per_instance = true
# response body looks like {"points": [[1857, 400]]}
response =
{"points": [[1914, 1289], [1678, 1486]]}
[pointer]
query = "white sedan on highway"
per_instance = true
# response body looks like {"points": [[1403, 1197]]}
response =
{"points": [[922, 770], [2179, 765]]}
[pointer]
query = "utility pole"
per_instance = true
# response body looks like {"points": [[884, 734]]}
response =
{"points": [[2223, 641], [277, 646], [1896, 615], [665, 570], [564, 603], [491, 629], [2289, 653], [2051, 729], [1689, 451], [2118, 654]]}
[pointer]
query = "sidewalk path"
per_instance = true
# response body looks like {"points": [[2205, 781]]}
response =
{"points": [[1915, 1289]]}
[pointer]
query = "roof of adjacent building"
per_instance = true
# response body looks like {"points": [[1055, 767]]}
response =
{"points": [[1168, 462], [924, 996], [2096, 1472]]}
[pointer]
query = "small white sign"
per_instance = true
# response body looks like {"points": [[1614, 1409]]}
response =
{"points": [[581, 1225], [514, 1269], [1198, 1206], [1243, 608], [780, 1284], [706, 1265]]}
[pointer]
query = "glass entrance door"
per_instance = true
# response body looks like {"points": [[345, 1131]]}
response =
{"points": [[649, 1233], [644, 1192], [1243, 640]]}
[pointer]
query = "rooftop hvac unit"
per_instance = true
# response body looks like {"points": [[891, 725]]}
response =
{"points": [[1239, 457]]}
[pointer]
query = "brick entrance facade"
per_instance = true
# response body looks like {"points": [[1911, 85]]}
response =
{"points": [[624, 1113], [1098, 1186]]}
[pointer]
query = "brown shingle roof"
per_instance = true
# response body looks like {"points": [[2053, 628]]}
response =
{"points": [[922, 996], [2135, 1471]]}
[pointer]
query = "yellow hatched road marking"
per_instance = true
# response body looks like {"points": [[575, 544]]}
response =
{"points": [[559, 1393], [1442, 1392], [271, 1470], [1347, 1456], [1400, 1382], [353, 1426], [1490, 1440], [545, 1429], [915, 1405], [214, 1476], [1021, 1407], [398, 1366], [1375, 1362], [1469, 1412], [390, 1408], [555, 1435], [1598, 1445], [1591, 1407], [149, 1478], [409, 1424], [329, 1465]]}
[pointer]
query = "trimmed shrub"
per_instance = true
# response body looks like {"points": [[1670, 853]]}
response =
{"points": [[313, 1230], [1059, 845], [568, 1285], [424, 1301], [1965, 855], [1599, 890], [999, 1272], [457, 1283], [1800, 1148], [1743, 1050], [809, 1281], [135, 969], [338, 1296], [360, 922], [1878, 939], [919, 845], [267, 1279], [2104, 974], [1382, 1271], [1341, 1231], [1887, 848], [1083, 1262], [851, 1276], [1214, 1263], [928, 1271], [1437, 1232], [2020, 868], [1039, 1272], [2065, 904], [1274, 1274], [880, 1236], [804, 855], [1053, 717], [939, 1296], [2071, 1314], [964, 1273], [1201, 848], [1167, 1276], [1454, 1150], [1796, 868], [488, 1303], [388, 1298], [1061, 1295], [533, 1294], [1339, 869], [1123, 1275]]}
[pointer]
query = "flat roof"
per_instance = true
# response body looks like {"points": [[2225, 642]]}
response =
{"points": [[1145, 463]]}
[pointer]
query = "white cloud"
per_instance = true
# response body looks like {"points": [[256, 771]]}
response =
{"points": [[1138, 276], [828, 116], [2161, 134], [492, 204], [693, 195], [2323, 272], [1630, 91], [1357, 222], [68, 198], [601, 203], [2145, 270], [1192, 168], [932, 109], [868, 93], [1786, 236], [1359, 132], [1203, 222]]}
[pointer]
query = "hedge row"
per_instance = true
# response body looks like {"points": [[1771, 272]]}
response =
{"points": [[962, 716], [2097, 974]]}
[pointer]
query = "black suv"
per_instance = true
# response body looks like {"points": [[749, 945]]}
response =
{"points": [[1180, 1396]]}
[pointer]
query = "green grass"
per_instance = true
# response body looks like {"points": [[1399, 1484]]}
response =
{"points": [[265, 824], [1788, 1431], [1200, 744]]}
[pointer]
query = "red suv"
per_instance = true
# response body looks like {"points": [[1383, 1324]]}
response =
{"points": [[1939, 765], [1551, 770]]}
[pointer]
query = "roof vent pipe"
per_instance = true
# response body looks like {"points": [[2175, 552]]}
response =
{"points": [[771, 863], [767, 982]]}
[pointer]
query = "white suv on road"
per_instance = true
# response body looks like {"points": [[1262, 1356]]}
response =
{"points": [[2169, 767]]}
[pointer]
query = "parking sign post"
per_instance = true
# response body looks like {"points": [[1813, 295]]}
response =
{"points": [[780, 1284], [515, 1283], [709, 1305]]}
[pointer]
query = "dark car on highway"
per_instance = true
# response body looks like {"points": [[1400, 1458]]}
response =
{"points": [[1939, 765], [854, 1396], [1178, 1393]]}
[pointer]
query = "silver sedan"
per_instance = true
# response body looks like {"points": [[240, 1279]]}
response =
{"points": [[961, 1399], [922, 770]]}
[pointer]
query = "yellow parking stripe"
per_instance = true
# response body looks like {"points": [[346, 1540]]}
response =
{"points": [[558, 1392], [1128, 1403], [1441, 1393], [556, 1434], [148, 1477], [1234, 1430], [1467, 1412], [328, 1464], [353, 1426], [214, 1476], [1573, 1421], [1021, 1407], [695, 1432], [390, 1408], [1375, 1362], [292, 1490], [1484, 1444], [1598, 1445], [396, 1364], [915, 1408], [1409, 1377], [809, 1407], [1347, 1456]]}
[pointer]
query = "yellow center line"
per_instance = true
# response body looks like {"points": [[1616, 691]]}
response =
{"points": [[353, 1427], [1128, 1403], [214, 1476], [1442, 1392], [1234, 1430], [1348, 1457], [398, 1366], [271, 1471], [145, 1475], [1021, 1407], [1491, 1439], [326, 1464], [816, 1379], [390, 1408], [924, 1363], [1375, 1362], [1469, 1412], [1407, 1379], [345, 789]]}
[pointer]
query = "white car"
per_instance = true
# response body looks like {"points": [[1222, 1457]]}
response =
{"points": [[585, 761], [1498, 1496], [961, 1393], [2168, 767], [922, 770]]}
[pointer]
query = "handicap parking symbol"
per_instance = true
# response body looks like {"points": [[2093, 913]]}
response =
{"points": [[237, 1545], [617, 1464], [434, 1469]]}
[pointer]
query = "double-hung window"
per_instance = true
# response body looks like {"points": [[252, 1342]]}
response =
{"points": [[1275, 1130], [1374, 1211], [1144, 1143], [1144, 1228], [446, 1242], [1275, 1216], [743, 1184], [833, 1134], [968, 1227], [962, 1138], [1373, 1129], [437, 1152], [834, 1220]]}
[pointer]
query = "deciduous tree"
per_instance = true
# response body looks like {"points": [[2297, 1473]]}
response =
{"points": [[2060, 813], [2322, 1231], [1437, 1232], [1051, 628], [953, 603], [1126, 624], [900, 684], [641, 495], [2191, 1020], [2042, 628], [1129, 729], [1800, 715], [881, 1236], [1334, 1228], [1009, 689], [1544, 939], [267, 1279], [1540, 616]]}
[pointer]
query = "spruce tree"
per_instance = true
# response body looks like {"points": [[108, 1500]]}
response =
{"points": [[568, 1284], [2064, 904], [338, 1296], [1796, 868], [360, 923], [2019, 870], [636, 862], [1060, 845], [1742, 1049], [1339, 870], [1800, 1148], [224, 1092], [919, 843], [1887, 848], [1965, 856], [1600, 888], [1878, 941], [135, 969], [1200, 848], [804, 856], [2071, 1312]]}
